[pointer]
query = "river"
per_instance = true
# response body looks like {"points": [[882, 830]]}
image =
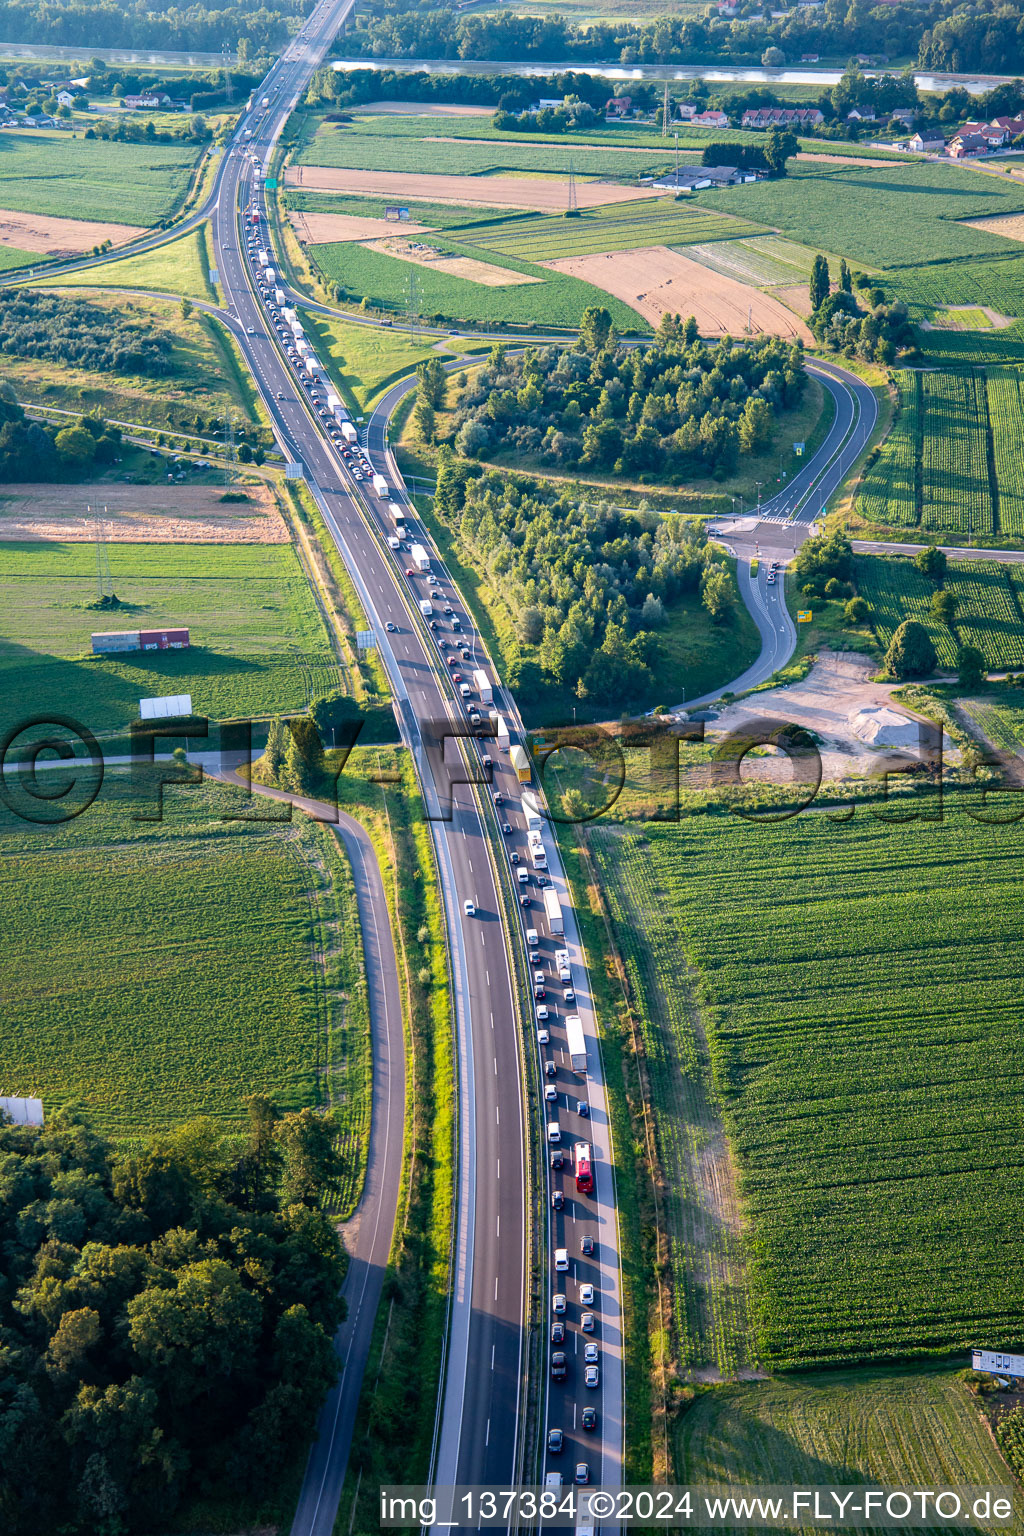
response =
{"points": [[749, 74]]}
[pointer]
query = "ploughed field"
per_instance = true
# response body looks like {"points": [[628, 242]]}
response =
{"points": [[860, 988]]}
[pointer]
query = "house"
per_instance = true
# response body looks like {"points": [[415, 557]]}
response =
{"points": [[687, 111], [782, 117], [72, 99], [809, 58], [618, 106], [712, 118], [152, 102], [727, 7], [928, 143], [904, 115], [963, 145], [861, 115]]}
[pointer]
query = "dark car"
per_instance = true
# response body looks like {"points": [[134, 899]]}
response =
{"points": [[557, 1200], [506, 829], [542, 881], [466, 654], [587, 1246], [559, 1368], [433, 623], [582, 1108], [558, 1331], [524, 900], [555, 1440], [449, 610], [589, 1418], [550, 1070], [558, 1159], [539, 993], [514, 857]]}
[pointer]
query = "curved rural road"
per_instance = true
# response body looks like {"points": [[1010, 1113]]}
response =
{"points": [[367, 1235]]}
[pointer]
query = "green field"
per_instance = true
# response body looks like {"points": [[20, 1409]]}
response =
{"points": [[765, 261], [179, 267], [862, 1013], [898, 1428], [439, 215], [889, 488], [365, 360], [556, 300], [617, 227], [11, 257], [999, 716], [45, 171], [884, 217], [989, 615], [999, 283], [258, 644], [157, 971], [976, 349]]}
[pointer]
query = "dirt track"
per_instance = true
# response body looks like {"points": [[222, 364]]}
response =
{"points": [[323, 228], [655, 279], [144, 514], [60, 237], [477, 191]]}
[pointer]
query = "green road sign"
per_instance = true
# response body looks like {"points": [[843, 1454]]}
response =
{"points": [[271, 183]]}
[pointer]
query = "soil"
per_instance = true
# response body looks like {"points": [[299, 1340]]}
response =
{"points": [[1009, 225], [526, 192], [146, 514], [60, 237], [419, 109], [454, 266], [324, 228], [654, 279]]}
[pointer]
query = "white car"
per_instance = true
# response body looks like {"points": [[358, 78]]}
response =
{"points": [[590, 1352], [587, 1322], [591, 1376], [543, 1037], [562, 1265], [558, 1304], [586, 1295], [551, 1093], [469, 909], [542, 1011]]}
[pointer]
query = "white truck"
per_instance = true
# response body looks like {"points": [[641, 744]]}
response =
{"points": [[302, 347], [349, 432], [271, 275], [278, 295], [380, 487], [537, 854], [312, 366], [425, 607], [288, 315], [502, 733], [295, 326], [262, 257], [420, 557], [562, 966], [576, 1042], [553, 908], [482, 684], [333, 400], [394, 542]]}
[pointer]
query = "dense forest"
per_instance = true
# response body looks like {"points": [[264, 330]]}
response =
{"points": [[166, 1317], [676, 409], [137, 24], [943, 34], [589, 584], [80, 335], [31, 451]]}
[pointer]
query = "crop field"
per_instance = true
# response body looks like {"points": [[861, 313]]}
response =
{"points": [[1006, 412], [999, 716], [955, 490], [557, 300], [862, 1016], [897, 1428], [989, 612], [157, 971], [44, 171], [995, 283], [11, 257], [439, 215], [764, 261], [889, 488], [258, 644], [883, 217], [620, 227], [976, 349], [179, 267]]}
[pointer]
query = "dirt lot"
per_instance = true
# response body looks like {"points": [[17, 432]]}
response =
{"points": [[323, 228], [141, 514], [527, 192], [1009, 225], [655, 279], [455, 266], [59, 237]]}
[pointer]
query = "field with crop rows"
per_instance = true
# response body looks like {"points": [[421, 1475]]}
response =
{"points": [[975, 349], [862, 1011], [258, 643], [897, 1428], [557, 300], [998, 284], [708, 1267], [955, 491], [764, 261], [1006, 412], [156, 971], [885, 216], [46, 171], [989, 615], [888, 491], [999, 716], [439, 215], [618, 227]]}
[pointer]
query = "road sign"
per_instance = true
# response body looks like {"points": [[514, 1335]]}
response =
{"points": [[366, 639], [271, 183], [804, 615], [798, 449], [214, 275], [295, 471]]}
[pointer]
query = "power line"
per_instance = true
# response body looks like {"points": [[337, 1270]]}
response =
{"points": [[572, 208]]}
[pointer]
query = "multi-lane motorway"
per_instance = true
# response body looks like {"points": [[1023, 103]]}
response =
{"points": [[479, 1436]]}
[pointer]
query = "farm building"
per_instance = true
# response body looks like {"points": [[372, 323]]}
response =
{"points": [[695, 178], [119, 640]]}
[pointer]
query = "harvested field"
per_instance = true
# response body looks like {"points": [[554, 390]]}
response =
{"points": [[805, 154], [455, 266], [60, 237], [795, 297], [419, 109], [1009, 225], [655, 279], [527, 192], [140, 514], [330, 228]]}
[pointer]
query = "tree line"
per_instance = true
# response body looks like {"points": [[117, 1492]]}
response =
{"points": [[677, 408], [78, 334], [89, 24], [32, 450], [166, 1316], [857, 318], [588, 583], [944, 34]]}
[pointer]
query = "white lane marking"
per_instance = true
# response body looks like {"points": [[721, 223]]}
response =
{"points": [[495, 1287]]}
